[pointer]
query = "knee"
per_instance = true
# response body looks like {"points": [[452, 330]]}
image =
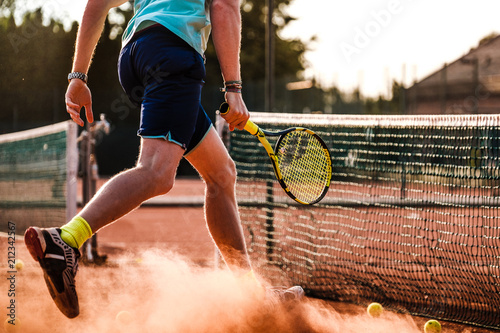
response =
{"points": [[160, 181], [164, 184], [230, 172], [224, 177]]}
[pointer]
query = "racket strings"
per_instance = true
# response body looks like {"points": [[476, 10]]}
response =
{"points": [[304, 165]]}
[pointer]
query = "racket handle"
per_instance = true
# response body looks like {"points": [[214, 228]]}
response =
{"points": [[250, 127], [224, 108]]}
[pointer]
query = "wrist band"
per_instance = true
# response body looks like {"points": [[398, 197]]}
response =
{"points": [[232, 86], [228, 83], [78, 75], [231, 89]]}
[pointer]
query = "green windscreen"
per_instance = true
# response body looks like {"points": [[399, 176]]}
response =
{"points": [[37, 175]]}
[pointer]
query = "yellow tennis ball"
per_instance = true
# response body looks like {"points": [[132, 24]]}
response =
{"points": [[12, 325], [124, 317], [432, 326], [19, 265], [375, 310]]}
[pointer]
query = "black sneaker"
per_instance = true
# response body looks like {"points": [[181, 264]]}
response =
{"points": [[59, 262], [284, 295]]}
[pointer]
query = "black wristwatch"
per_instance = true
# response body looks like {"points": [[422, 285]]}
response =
{"points": [[78, 75]]}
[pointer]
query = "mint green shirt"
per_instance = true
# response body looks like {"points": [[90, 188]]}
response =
{"points": [[185, 18]]}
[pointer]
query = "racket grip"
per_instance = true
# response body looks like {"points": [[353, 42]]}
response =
{"points": [[251, 128], [224, 108]]}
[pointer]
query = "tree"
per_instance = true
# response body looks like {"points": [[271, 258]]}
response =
{"points": [[34, 62], [487, 38], [37, 56], [394, 105], [289, 53]]}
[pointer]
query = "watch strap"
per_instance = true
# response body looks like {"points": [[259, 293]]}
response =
{"points": [[78, 75]]}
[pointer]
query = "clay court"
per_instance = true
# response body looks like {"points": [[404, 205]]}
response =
{"points": [[161, 270]]}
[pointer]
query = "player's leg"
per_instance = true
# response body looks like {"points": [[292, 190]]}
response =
{"points": [[211, 160], [217, 169], [164, 75], [153, 175]]}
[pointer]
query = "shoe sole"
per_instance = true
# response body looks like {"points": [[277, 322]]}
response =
{"points": [[35, 242], [287, 295], [294, 293], [62, 301]]}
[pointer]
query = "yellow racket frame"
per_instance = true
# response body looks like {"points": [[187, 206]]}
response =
{"points": [[256, 131]]}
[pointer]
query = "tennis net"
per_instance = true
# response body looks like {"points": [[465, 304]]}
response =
{"points": [[38, 170], [411, 219]]}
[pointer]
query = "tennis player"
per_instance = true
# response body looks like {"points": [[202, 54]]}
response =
{"points": [[161, 68]]}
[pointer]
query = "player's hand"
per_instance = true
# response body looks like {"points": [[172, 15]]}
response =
{"points": [[238, 113], [77, 96]]}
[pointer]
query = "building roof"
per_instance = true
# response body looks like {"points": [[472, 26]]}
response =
{"points": [[480, 66]]}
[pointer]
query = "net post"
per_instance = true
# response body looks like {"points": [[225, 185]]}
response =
{"points": [[86, 186], [72, 170], [90, 177]]}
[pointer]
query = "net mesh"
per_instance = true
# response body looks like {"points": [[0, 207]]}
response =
{"points": [[38, 176], [411, 219]]}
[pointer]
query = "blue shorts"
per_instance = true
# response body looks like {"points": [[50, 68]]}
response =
{"points": [[163, 75]]}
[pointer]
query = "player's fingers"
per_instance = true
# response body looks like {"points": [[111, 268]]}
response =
{"points": [[241, 125], [71, 105], [89, 113], [233, 122], [77, 120], [73, 112], [72, 108], [233, 118], [228, 117]]}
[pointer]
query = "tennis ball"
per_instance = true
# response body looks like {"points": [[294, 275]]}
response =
{"points": [[124, 317], [375, 310], [432, 326], [19, 265], [12, 325]]}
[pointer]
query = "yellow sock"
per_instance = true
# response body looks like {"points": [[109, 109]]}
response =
{"points": [[76, 232]]}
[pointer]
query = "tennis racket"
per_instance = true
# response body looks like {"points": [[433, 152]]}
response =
{"points": [[300, 159]]}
